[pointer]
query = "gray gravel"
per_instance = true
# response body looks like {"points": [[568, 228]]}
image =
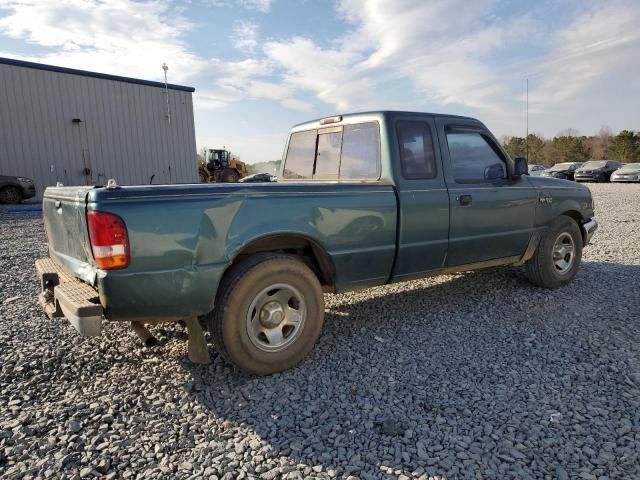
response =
{"points": [[478, 375]]}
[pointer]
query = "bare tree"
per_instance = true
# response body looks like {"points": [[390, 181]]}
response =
{"points": [[568, 132]]}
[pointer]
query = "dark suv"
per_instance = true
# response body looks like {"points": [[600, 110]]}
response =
{"points": [[15, 189], [564, 170], [597, 170]]}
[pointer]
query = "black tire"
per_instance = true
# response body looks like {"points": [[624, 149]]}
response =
{"points": [[204, 178], [10, 195], [230, 325], [230, 176], [542, 268]]}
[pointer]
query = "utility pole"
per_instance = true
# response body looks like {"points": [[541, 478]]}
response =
{"points": [[526, 138], [166, 91]]}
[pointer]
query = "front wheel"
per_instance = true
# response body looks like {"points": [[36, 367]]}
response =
{"points": [[556, 261], [268, 313], [230, 176], [10, 195]]}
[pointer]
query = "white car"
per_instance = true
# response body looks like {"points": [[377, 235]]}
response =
{"points": [[629, 172], [536, 170]]}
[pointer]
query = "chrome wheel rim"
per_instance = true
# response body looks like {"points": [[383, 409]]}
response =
{"points": [[563, 253], [276, 317]]}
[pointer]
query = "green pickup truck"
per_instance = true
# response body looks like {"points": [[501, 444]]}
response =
{"points": [[362, 200]]}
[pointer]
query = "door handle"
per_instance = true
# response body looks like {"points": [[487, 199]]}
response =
{"points": [[465, 199]]}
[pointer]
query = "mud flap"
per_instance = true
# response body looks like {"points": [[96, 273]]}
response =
{"points": [[197, 348]]}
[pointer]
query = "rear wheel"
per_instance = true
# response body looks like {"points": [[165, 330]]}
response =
{"points": [[230, 176], [268, 315], [204, 178], [10, 195], [557, 258]]}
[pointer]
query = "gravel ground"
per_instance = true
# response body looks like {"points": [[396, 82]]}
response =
{"points": [[477, 375]]}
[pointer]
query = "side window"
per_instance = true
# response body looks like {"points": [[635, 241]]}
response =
{"points": [[417, 157], [473, 158], [300, 155], [328, 156], [360, 151]]}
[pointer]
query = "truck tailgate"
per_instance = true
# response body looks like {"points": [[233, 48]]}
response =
{"points": [[64, 210]]}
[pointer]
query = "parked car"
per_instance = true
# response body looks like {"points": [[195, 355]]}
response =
{"points": [[629, 172], [596, 170], [564, 170], [536, 170], [258, 177], [439, 195], [14, 190]]}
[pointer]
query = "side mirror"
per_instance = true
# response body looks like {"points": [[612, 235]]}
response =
{"points": [[494, 172], [520, 167]]}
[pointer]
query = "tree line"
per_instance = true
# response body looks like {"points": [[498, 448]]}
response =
{"points": [[570, 146]]}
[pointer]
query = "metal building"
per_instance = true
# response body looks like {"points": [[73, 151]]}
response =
{"points": [[82, 128]]}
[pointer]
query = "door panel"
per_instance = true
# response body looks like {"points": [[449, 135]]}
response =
{"points": [[424, 201], [490, 217]]}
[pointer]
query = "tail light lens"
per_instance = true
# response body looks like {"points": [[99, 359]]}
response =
{"points": [[109, 240]]}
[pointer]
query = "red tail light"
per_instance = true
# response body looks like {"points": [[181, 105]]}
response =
{"points": [[109, 240]]}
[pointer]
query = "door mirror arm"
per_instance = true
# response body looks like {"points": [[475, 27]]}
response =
{"points": [[520, 167]]}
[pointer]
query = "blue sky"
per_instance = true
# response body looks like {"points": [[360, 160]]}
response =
{"points": [[260, 66]]}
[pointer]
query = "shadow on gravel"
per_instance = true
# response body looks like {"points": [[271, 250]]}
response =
{"points": [[477, 372]]}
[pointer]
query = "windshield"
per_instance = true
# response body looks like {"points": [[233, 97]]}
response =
{"points": [[561, 166], [216, 157], [631, 166], [594, 164]]}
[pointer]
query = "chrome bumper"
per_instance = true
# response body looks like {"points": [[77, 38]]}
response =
{"points": [[588, 229]]}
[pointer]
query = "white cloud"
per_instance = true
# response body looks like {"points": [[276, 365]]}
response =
{"points": [[133, 39], [245, 35], [455, 54], [260, 5], [452, 55], [440, 47], [597, 48]]}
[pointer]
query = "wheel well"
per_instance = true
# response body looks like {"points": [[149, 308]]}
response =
{"points": [[575, 215], [312, 254]]}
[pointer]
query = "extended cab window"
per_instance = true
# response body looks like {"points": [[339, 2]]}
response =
{"points": [[473, 158], [360, 151], [416, 150], [349, 152]]}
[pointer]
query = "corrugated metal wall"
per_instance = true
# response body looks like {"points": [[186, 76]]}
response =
{"points": [[123, 133]]}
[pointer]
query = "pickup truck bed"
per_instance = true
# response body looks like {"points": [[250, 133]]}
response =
{"points": [[363, 200]]}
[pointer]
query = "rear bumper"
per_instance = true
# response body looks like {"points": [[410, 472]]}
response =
{"points": [[588, 229], [66, 296]]}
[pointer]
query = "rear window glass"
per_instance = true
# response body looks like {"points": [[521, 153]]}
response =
{"points": [[300, 155], [328, 156], [349, 152]]}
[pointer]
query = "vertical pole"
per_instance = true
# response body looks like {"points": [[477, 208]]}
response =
{"points": [[166, 91], [526, 138]]}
